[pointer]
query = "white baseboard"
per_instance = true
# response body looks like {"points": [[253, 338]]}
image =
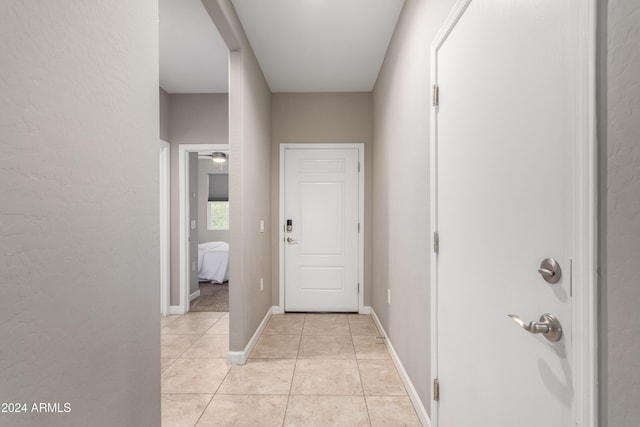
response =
{"points": [[411, 390], [175, 309], [366, 310], [194, 295], [240, 357]]}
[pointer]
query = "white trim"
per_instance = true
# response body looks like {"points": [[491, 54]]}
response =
{"points": [[411, 390], [175, 309], [366, 310], [585, 326], [584, 321], [240, 357], [194, 295], [165, 225], [183, 182], [277, 309], [281, 219]]}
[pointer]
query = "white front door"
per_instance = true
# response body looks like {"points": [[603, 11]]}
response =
{"points": [[321, 206], [506, 133]]}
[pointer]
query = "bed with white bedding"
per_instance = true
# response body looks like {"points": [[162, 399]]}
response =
{"points": [[213, 262]]}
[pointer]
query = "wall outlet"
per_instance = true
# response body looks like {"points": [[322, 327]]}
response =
{"points": [[261, 284], [388, 296]]}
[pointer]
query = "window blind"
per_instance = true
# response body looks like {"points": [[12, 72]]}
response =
{"points": [[218, 187]]}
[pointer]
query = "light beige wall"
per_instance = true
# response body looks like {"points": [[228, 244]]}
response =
{"points": [[619, 135], [206, 167], [79, 226], [201, 118], [164, 115], [401, 188], [249, 179], [321, 118]]}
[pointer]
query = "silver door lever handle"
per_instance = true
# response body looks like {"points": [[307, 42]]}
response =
{"points": [[548, 326], [292, 241]]}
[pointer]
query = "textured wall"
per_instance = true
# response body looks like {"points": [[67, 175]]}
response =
{"points": [[401, 188], [201, 118], [318, 118], [619, 126], [249, 179], [250, 196], [79, 263]]}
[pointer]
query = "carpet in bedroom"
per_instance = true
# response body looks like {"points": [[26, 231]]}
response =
{"points": [[213, 297]]}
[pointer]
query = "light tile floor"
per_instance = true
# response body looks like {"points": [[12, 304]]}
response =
{"points": [[306, 370]]}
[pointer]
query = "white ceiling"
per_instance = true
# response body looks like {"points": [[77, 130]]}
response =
{"points": [[301, 45], [193, 56], [319, 45]]}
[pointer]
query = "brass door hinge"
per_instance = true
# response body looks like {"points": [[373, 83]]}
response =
{"points": [[436, 95], [436, 390]]}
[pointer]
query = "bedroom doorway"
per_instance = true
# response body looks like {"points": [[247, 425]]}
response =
{"points": [[194, 220], [212, 293]]}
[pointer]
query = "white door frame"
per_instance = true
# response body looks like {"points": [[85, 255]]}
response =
{"points": [[584, 208], [281, 215], [183, 183], [165, 224]]}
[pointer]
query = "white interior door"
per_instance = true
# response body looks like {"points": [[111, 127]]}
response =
{"points": [[506, 131], [321, 203]]}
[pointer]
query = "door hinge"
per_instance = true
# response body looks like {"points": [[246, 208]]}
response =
{"points": [[358, 167], [436, 242], [436, 390], [358, 287], [436, 95], [358, 227]]}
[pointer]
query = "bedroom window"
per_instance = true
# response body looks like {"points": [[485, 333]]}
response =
{"points": [[218, 216], [218, 204]]}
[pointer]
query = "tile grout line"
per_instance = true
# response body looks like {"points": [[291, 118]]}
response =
{"points": [[364, 396], [219, 385], [193, 343], [293, 375], [204, 410]]}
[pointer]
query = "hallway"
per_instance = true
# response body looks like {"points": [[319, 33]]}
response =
{"points": [[306, 370]]}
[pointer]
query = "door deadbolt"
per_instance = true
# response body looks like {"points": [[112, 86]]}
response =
{"points": [[550, 270], [289, 226]]}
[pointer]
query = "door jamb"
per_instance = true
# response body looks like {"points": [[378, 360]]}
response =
{"points": [[165, 221], [584, 187], [183, 190], [281, 219]]}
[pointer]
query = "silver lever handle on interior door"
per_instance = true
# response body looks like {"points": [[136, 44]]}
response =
{"points": [[292, 241], [548, 326]]}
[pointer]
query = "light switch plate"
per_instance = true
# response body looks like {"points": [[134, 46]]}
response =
{"points": [[262, 225], [193, 224]]}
